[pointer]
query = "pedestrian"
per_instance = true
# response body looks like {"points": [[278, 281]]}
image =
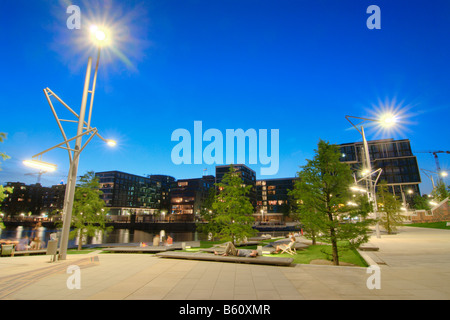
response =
{"points": [[156, 241], [23, 244]]}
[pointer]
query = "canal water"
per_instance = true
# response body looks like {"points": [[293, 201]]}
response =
{"points": [[116, 236]]}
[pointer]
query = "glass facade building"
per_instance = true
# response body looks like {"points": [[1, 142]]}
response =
{"points": [[33, 199], [399, 165], [273, 200], [126, 193], [189, 195]]}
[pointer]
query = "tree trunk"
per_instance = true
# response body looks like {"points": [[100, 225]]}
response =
{"points": [[334, 246], [333, 240], [313, 237], [80, 241]]}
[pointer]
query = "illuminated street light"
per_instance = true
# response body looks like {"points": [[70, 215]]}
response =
{"points": [[356, 188], [40, 165], [100, 38], [99, 35], [430, 173], [386, 120]]}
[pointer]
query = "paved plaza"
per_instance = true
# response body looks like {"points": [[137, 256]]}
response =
{"points": [[414, 264]]}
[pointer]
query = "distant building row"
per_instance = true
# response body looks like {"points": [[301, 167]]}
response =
{"points": [[126, 193]]}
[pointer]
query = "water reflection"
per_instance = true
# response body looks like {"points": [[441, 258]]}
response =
{"points": [[124, 236], [116, 236]]}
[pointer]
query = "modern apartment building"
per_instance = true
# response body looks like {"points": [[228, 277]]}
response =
{"points": [[126, 193], [399, 165], [273, 200], [33, 199], [167, 185], [189, 195]]}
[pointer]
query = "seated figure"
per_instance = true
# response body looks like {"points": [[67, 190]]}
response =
{"points": [[283, 247]]}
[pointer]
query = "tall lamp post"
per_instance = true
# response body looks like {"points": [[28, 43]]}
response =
{"points": [[99, 37], [386, 121], [429, 174]]}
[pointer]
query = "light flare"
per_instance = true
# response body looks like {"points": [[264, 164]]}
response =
{"points": [[393, 119], [119, 29]]}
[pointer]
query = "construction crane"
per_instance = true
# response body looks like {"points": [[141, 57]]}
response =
{"points": [[438, 167], [39, 174]]}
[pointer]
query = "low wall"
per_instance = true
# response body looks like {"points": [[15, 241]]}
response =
{"points": [[440, 212]]}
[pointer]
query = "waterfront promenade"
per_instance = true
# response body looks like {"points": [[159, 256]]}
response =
{"points": [[414, 264]]}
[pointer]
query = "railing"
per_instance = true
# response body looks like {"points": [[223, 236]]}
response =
{"points": [[31, 219]]}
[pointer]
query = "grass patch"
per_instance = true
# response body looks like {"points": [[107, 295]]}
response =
{"points": [[82, 251], [204, 244], [316, 252], [304, 256], [433, 225]]}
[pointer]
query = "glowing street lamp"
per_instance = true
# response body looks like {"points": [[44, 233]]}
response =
{"points": [[99, 35], [100, 38], [38, 164], [386, 120], [430, 173], [358, 189]]}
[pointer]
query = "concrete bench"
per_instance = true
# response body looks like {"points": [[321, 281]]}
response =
{"points": [[274, 261], [368, 247], [30, 252], [7, 250], [148, 249]]}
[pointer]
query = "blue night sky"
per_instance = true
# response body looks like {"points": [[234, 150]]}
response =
{"points": [[297, 66]]}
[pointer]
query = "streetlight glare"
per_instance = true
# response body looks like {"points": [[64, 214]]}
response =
{"points": [[356, 188], [365, 172], [388, 120], [99, 35], [390, 117], [40, 165]]}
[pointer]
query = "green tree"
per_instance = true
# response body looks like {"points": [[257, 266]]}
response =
{"points": [[3, 155], [421, 202], [322, 193], [389, 207], [233, 212], [305, 208], [207, 224], [3, 190], [3, 195], [440, 192], [89, 212]]}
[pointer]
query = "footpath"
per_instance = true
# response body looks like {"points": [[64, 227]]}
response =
{"points": [[412, 264]]}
